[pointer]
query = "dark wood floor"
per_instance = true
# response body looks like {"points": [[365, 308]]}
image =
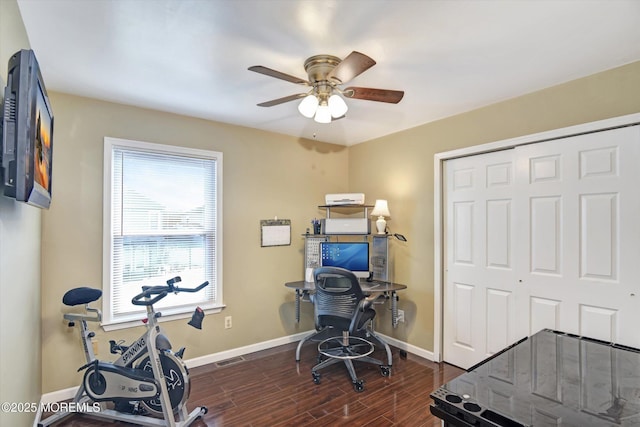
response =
{"points": [[269, 389]]}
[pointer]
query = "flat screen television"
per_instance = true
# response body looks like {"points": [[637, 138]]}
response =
{"points": [[353, 256], [27, 133]]}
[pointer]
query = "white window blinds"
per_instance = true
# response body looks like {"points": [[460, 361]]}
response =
{"points": [[163, 224]]}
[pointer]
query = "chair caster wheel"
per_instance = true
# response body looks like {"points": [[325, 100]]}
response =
{"points": [[316, 378], [385, 371], [204, 410], [358, 386]]}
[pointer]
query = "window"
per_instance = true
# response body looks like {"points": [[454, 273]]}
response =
{"points": [[162, 218]]}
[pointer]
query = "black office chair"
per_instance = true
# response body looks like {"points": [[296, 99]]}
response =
{"points": [[340, 305]]}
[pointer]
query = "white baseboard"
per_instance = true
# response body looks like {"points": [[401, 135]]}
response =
{"points": [[240, 351], [59, 395], [418, 351], [69, 393]]}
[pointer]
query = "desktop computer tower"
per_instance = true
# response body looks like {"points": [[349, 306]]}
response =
{"points": [[312, 250], [380, 258]]}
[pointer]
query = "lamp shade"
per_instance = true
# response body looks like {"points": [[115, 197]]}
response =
{"points": [[381, 208], [323, 115], [337, 106], [308, 106]]}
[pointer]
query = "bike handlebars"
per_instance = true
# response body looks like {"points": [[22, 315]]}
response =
{"points": [[161, 292]]}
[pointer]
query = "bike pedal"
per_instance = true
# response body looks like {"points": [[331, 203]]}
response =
{"points": [[126, 407]]}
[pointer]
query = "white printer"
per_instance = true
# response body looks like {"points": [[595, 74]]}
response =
{"points": [[344, 199]]}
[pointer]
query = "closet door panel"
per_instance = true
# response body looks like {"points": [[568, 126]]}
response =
{"points": [[479, 306], [578, 234]]}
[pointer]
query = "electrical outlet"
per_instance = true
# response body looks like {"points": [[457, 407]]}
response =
{"points": [[401, 316], [227, 322]]}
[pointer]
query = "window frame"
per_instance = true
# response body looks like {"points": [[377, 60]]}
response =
{"points": [[169, 313]]}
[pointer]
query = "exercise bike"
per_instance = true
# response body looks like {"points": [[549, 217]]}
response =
{"points": [[148, 384]]}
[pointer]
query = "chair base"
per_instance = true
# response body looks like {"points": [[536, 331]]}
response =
{"points": [[330, 332], [347, 349]]}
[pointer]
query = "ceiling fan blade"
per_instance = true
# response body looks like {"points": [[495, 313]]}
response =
{"points": [[369, 94], [278, 75], [282, 100], [353, 65]]}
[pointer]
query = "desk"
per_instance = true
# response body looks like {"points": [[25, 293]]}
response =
{"points": [[550, 378], [387, 289]]}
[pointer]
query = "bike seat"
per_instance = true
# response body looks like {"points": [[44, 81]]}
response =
{"points": [[82, 295]]}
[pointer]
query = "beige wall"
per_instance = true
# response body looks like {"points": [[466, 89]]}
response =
{"points": [[20, 357], [265, 175], [399, 168]]}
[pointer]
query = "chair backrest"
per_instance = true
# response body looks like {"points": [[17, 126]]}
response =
{"points": [[337, 298]]}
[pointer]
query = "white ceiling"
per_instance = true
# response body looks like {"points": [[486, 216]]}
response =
{"points": [[191, 56]]}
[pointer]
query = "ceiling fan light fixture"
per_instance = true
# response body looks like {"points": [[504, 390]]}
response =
{"points": [[325, 98], [308, 106], [323, 114], [337, 106]]}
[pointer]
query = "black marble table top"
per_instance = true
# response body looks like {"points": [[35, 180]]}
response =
{"points": [[548, 379]]}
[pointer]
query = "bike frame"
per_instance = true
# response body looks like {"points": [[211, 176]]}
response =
{"points": [[137, 350]]}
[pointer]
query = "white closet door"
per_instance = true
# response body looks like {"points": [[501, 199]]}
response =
{"points": [[479, 312], [578, 206], [543, 236]]}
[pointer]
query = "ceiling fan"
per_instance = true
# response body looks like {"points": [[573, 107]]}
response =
{"points": [[326, 73]]}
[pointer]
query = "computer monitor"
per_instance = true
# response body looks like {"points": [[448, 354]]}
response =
{"points": [[353, 256]]}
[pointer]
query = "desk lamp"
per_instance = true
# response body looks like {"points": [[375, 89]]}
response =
{"points": [[381, 209]]}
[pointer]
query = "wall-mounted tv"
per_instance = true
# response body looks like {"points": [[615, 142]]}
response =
{"points": [[27, 133]]}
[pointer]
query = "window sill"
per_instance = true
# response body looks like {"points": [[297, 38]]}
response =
{"points": [[132, 323]]}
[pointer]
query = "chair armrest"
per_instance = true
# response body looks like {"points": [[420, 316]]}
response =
{"points": [[368, 301]]}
